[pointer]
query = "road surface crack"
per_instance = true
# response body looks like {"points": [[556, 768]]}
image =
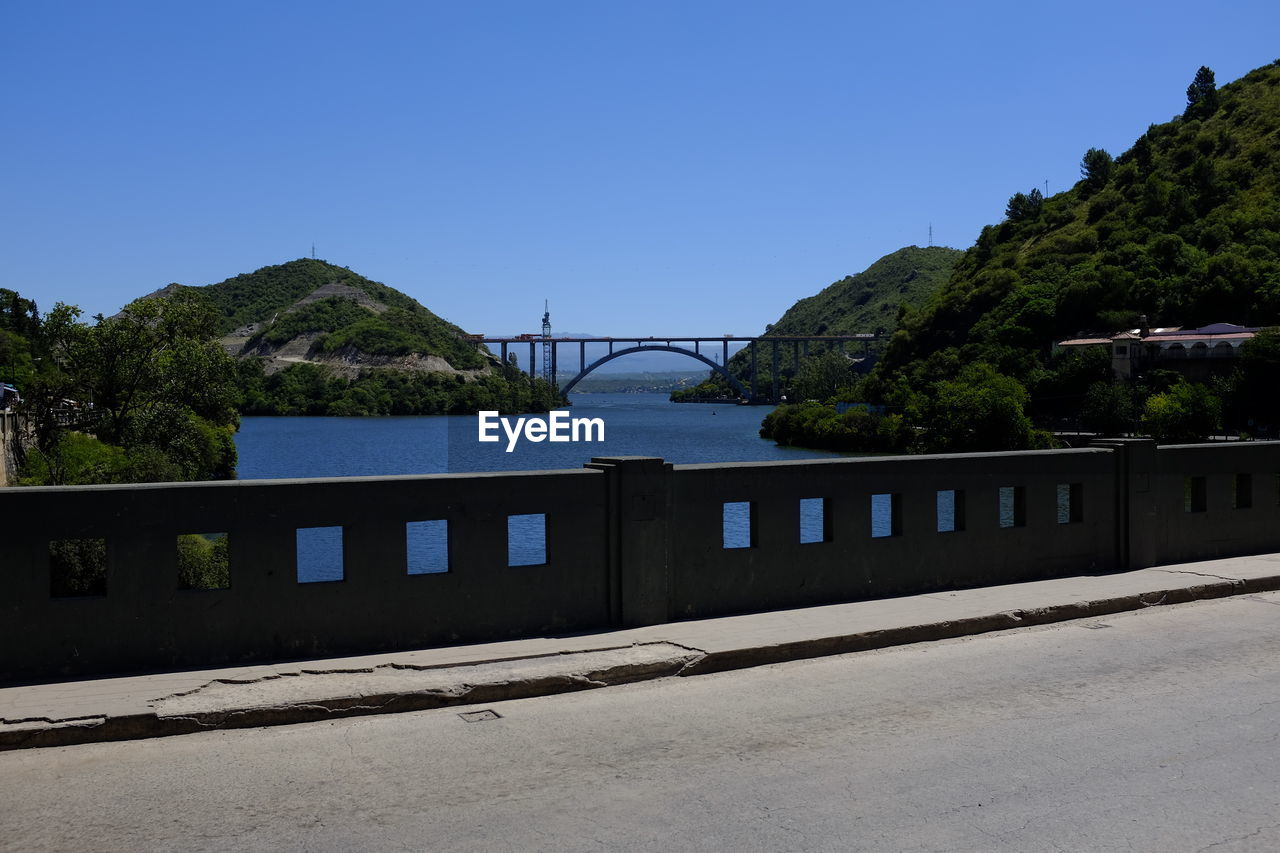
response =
{"points": [[1238, 838], [1201, 575]]}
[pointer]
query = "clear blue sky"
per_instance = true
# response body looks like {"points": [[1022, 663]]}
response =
{"points": [[650, 167]]}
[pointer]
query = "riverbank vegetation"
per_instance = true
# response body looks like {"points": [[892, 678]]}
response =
{"points": [[315, 389], [145, 396], [152, 395]]}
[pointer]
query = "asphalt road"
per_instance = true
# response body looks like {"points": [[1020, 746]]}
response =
{"points": [[1151, 731]]}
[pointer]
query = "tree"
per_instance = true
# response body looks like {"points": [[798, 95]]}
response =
{"points": [[1202, 95], [979, 410], [1186, 412], [1108, 408], [1024, 205], [155, 353], [1017, 207], [1095, 169], [1253, 401], [152, 380], [18, 315], [820, 377]]}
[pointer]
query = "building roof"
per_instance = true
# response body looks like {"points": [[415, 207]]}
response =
{"points": [[1084, 342], [1213, 329], [1171, 335]]}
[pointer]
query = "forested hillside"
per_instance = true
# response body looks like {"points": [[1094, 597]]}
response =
{"points": [[870, 302], [336, 309], [318, 339], [1183, 227]]}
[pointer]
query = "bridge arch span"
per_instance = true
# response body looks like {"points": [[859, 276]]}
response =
{"points": [[733, 381]]}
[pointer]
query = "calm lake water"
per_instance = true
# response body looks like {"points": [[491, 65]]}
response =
{"points": [[634, 425]]}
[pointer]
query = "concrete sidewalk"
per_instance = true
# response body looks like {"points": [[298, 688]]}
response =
{"points": [[160, 704]]}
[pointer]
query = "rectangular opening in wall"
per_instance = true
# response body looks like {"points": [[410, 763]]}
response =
{"points": [[1070, 503], [886, 515], [77, 568], [426, 546], [1013, 506], [813, 521], [320, 555], [204, 561], [1193, 494], [527, 539], [739, 524], [1244, 491], [950, 510]]}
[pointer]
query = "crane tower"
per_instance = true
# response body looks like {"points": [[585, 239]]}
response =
{"points": [[548, 356]]}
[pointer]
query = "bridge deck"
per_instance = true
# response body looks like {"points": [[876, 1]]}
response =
{"points": [[867, 336]]}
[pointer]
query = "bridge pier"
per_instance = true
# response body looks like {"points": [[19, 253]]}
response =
{"points": [[774, 397], [755, 374]]}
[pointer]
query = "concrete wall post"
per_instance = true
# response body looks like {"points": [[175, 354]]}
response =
{"points": [[639, 506], [1136, 522]]}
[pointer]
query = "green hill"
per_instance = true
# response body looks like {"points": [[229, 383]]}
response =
{"points": [[254, 297], [311, 310], [870, 301], [318, 339], [1184, 227]]}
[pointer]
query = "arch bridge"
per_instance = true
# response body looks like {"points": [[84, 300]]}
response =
{"points": [[694, 347]]}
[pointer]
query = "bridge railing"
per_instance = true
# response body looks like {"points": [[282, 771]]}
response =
{"points": [[1209, 501], [138, 617], [628, 541], [871, 527]]}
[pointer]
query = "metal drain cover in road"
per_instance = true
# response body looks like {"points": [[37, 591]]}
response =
{"points": [[480, 716]]}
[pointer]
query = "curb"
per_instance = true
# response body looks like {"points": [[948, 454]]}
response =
{"points": [[1003, 621], [545, 675]]}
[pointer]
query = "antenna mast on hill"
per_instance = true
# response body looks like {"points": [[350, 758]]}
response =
{"points": [[930, 234], [548, 359], [313, 251]]}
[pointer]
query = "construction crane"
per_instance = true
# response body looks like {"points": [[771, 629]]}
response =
{"points": [[548, 359]]}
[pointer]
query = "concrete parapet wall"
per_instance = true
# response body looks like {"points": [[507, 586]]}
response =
{"points": [[629, 541], [8, 439], [852, 563], [144, 620], [1233, 510]]}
